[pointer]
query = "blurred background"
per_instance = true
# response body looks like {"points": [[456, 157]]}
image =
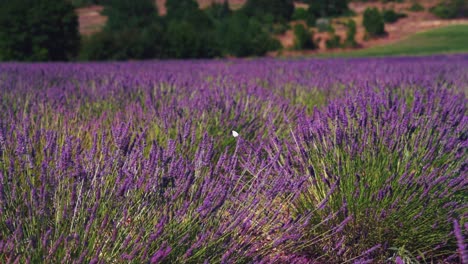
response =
{"points": [[69, 30]]}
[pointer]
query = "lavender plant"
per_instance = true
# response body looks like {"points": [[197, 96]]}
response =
{"points": [[360, 160], [387, 172]]}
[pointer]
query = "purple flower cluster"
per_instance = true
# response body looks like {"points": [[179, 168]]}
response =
{"points": [[337, 161]]}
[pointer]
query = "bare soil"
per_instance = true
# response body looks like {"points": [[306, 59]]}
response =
{"points": [[90, 19]]}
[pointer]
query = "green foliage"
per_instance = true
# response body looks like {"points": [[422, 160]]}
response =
{"points": [[124, 44], [373, 22], [324, 25], [416, 7], [328, 8], [390, 16], [279, 28], [350, 40], [300, 14], [304, 14], [186, 41], [81, 3], [38, 30], [279, 10], [443, 11], [188, 11], [186, 32], [218, 11], [125, 14], [242, 36], [133, 31], [333, 42], [303, 38], [180, 8], [451, 9]]}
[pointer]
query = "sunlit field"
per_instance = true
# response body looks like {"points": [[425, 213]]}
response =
{"points": [[235, 161]]}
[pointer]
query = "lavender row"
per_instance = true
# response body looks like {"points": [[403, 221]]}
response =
{"points": [[361, 161]]}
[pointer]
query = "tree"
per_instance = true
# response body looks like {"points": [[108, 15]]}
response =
{"points": [[303, 39], [219, 11], [373, 22], [38, 30], [280, 10], [186, 41], [80, 3], [242, 36], [188, 11], [328, 8], [124, 14], [133, 31], [148, 42], [350, 40], [180, 8]]}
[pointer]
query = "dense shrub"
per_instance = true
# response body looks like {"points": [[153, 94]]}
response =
{"points": [[184, 40], [444, 11], [279, 10], [303, 38], [350, 40], [328, 8], [242, 36], [416, 7], [124, 14], [185, 32], [149, 42], [188, 11], [373, 22], [333, 42], [38, 30], [218, 11], [81, 3], [305, 14], [300, 14], [180, 8], [451, 9], [133, 31], [390, 16], [324, 25]]}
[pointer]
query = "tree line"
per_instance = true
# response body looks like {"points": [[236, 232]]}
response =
{"points": [[38, 30]]}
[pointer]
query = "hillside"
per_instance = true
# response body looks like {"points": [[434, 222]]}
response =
{"points": [[415, 22], [443, 40], [91, 22]]}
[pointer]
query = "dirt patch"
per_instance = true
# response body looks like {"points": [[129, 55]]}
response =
{"points": [[90, 19]]}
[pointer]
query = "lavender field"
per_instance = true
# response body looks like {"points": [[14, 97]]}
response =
{"points": [[336, 161]]}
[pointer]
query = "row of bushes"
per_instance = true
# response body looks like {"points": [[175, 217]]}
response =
{"points": [[449, 9], [304, 39], [38, 30], [185, 32], [48, 29]]}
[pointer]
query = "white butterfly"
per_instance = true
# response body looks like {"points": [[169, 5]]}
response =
{"points": [[235, 134]]}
